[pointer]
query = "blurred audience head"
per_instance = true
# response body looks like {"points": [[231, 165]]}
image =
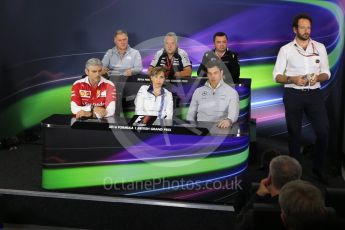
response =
{"points": [[302, 205], [284, 169]]}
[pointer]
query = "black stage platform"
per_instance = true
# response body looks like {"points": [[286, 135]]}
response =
{"points": [[23, 201]]}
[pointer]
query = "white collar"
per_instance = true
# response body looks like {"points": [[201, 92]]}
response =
{"points": [[207, 83], [88, 82]]}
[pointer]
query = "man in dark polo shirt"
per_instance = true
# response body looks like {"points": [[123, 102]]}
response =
{"points": [[174, 59], [228, 57]]}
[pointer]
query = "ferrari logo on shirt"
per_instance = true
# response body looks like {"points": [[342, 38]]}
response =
{"points": [[104, 93], [85, 93], [98, 93]]}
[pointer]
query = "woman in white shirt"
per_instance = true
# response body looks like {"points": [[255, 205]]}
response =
{"points": [[153, 99]]}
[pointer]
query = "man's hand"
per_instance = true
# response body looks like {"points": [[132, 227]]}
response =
{"points": [[100, 111], [314, 79], [178, 74], [83, 113], [300, 80], [104, 70], [225, 123], [128, 73], [264, 189]]}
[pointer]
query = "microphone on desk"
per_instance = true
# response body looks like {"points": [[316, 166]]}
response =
{"points": [[238, 132]]}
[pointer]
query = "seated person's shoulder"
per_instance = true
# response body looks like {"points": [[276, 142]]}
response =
{"points": [[134, 50], [160, 52], [107, 57], [80, 81], [167, 91], [230, 89], [109, 51], [182, 52], [143, 88], [198, 91], [209, 53], [233, 53], [232, 56]]}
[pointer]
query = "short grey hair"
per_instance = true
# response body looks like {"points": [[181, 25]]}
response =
{"points": [[301, 201], [284, 169], [171, 34], [121, 31], [93, 62]]}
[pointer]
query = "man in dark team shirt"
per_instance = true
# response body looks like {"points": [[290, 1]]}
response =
{"points": [[175, 60], [228, 57]]}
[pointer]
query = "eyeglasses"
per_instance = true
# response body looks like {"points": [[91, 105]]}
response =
{"points": [[303, 53]]}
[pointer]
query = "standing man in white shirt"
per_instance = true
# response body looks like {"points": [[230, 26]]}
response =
{"points": [[301, 65]]}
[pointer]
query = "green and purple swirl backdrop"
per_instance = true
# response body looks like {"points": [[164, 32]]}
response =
{"points": [[46, 43]]}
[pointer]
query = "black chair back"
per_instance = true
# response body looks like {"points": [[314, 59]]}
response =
{"points": [[267, 216], [335, 198]]}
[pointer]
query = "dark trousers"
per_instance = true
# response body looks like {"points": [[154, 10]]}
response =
{"points": [[311, 103]]}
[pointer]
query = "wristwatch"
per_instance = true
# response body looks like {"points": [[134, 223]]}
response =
{"points": [[228, 119], [288, 80]]}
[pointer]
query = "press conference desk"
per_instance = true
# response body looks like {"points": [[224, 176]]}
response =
{"points": [[104, 154], [182, 90]]}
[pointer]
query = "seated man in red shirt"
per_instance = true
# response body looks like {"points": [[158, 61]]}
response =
{"points": [[93, 96]]}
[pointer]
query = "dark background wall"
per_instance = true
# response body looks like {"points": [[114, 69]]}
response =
{"points": [[44, 45]]}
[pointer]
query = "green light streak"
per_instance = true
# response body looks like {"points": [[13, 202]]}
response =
{"points": [[124, 173], [244, 103], [33, 109], [261, 75], [184, 112]]}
